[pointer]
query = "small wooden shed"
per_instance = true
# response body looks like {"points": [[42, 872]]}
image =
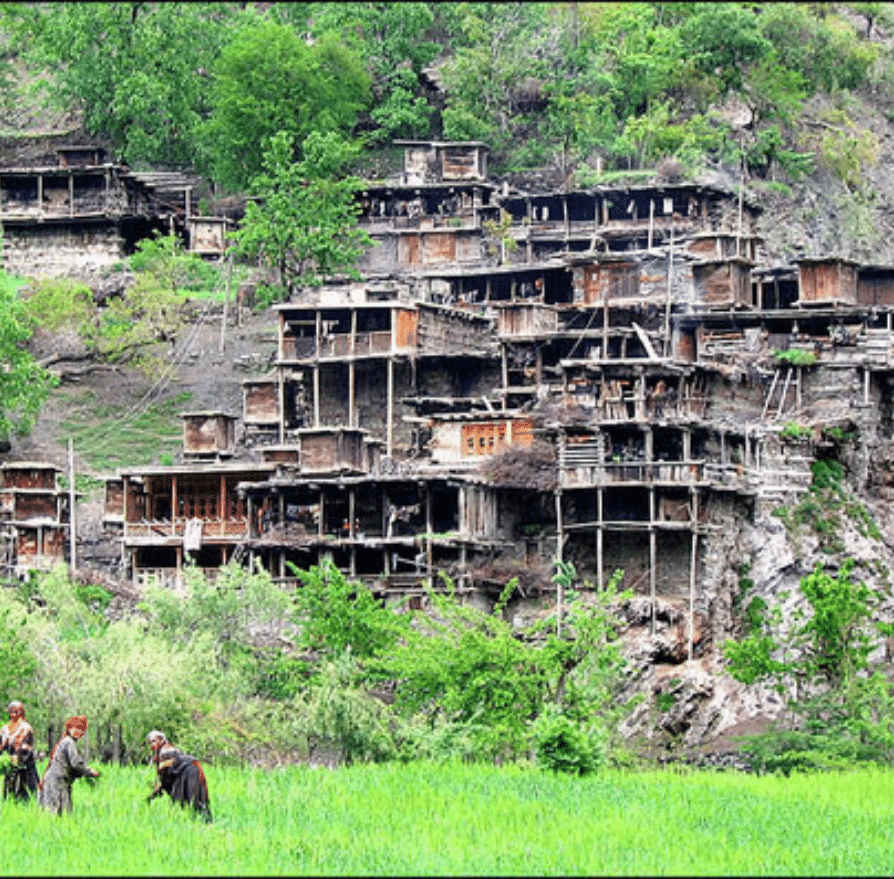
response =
{"points": [[827, 280]]}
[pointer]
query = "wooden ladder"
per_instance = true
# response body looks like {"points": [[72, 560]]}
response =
{"points": [[790, 373]]}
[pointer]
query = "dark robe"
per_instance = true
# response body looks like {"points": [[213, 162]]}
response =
{"points": [[21, 781], [180, 776]]}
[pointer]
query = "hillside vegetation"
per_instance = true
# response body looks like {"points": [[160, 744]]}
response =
{"points": [[793, 102], [775, 95]]}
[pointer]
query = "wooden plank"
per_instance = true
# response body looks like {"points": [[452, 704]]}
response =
{"points": [[650, 351]]}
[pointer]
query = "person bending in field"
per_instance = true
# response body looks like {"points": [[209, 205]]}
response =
{"points": [[65, 765], [180, 776], [17, 740]]}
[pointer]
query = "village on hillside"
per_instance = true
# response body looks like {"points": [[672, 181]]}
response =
{"points": [[611, 378]]}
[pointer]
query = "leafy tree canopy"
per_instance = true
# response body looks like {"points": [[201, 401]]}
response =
{"points": [[24, 384], [269, 79], [138, 71], [304, 221]]}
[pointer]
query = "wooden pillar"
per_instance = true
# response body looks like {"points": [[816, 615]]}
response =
{"points": [[321, 531], [693, 555], [281, 403], [389, 408], [40, 194], [223, 501], [653, 591], [72, 509], [504, 368], [560, 547], [429, 528], [351, 393], [600, 531], [605, 320], [352, 371], [316, 380], [670, 282], [651, 222], [174, 504], [71, 196]]}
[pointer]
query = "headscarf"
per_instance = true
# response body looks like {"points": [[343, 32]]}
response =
{"points": [[78, 721], [16, 704], [155, 734]]}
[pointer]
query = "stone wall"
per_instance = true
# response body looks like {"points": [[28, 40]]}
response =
{"points": [[54, 251]]}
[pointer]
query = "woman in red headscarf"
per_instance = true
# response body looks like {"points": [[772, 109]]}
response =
{"points": [[66, 764]]}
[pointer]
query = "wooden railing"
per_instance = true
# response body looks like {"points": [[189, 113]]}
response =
{"points": [[211, 528]]}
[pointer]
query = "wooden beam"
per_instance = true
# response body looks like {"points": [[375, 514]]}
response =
{"points": [[650, 351]]}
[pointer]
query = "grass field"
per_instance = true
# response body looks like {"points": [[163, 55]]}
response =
{"points": [[447, 820]]}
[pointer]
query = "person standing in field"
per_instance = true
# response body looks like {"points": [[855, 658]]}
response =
{"points": [[65, 765], [17, 740], [180, 776]]}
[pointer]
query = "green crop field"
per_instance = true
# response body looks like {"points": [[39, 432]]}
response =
{"points": [[424, 819]]}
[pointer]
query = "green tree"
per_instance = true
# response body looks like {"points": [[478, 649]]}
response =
{"points": [[472, 670], [268, 79], [395, 42], [16, 658], [503, 57], [163, 260], [723, 41], [337, 614], [138, 71], [840, 709], [304, 221], [24, 384]]}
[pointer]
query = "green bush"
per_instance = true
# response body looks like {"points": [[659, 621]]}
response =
{"points": [[796, 357], [164, 259], [564, 746], [338, 717]]}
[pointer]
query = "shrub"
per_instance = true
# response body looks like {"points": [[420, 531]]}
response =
{"points": [[564, 746]]}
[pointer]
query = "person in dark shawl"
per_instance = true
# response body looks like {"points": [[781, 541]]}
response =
{"points": [[65, 765], [17, 740], [180, 776]]}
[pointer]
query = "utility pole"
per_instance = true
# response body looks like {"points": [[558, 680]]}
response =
{"points": [[72, 523], [223, 320]]}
